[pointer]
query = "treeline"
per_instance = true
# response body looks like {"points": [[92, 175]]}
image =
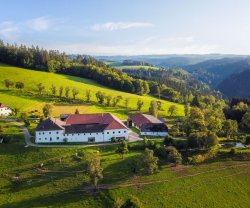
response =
{"points": [[82, 66], [135, 63], [176, 79]]}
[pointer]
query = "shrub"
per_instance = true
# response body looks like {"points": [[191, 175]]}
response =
{"points": [[247, 140], [161, 152], [168, 140], [196, 159], [174, 156], [132, 202], [113, 140], [233, 151]]}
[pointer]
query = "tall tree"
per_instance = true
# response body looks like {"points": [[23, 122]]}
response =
{"points": [[172, 110], [67, 89], [19, 85], [174, 156], [245, 123], [230, 127], [75, 92], [95, 170], [40, 88], [53, 89], [126, 102], [122, 148], [140, 104], [47, 110], [8, 83], [153, 109], [88, 95], [61, 91], [108, 98], [150, 162]]}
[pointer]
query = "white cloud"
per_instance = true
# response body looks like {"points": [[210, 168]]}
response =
{"points": [[110, 26], [9, 31], [39, 24]]}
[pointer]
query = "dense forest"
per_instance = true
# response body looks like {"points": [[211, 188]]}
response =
{"points": [[157, 84], [236, 85], [177, 79], [82, 66]]}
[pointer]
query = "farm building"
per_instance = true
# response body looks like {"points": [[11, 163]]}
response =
{"points": [[5, 110], [148, 125], [81, 128]]}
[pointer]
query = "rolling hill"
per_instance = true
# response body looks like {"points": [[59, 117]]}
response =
{"points": [[236, 85], [28, 100]]}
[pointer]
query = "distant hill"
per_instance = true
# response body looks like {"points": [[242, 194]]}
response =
{"points": [[236, 85], [213, 71]]}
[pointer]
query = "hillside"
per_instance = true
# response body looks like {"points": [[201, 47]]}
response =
{"points": [[62, 180], [237, 85], [28, 100], [215, 71]]}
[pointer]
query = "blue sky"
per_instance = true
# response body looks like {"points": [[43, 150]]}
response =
{"points": [[129, 27]]}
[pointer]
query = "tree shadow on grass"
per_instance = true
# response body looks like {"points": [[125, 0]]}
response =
{"points": [[52, 200]]}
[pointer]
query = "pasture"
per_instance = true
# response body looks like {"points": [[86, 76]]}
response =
{"points": [[28, 99]]}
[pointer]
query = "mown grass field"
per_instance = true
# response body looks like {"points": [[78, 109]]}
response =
{"points": [[27, 102], [62, 179]]}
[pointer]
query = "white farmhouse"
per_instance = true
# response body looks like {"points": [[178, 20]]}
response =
{"points": [[5, 110], [81, 128], [148, 125]]}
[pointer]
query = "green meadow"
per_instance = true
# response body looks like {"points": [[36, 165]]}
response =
{"points": [[28, 100], [62, 180]]}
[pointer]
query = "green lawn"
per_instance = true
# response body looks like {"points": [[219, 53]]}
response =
{"points": [[220, 184], [28, 102]]}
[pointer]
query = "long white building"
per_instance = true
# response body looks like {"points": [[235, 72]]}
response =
{"points": [[5, 110], [81, 128]]}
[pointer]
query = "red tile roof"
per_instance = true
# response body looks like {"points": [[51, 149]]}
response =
{"points": [[3, 106], [140, 119], [111, 121]]}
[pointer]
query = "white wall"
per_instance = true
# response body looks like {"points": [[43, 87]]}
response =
{"points": [[109, 134], [162, 134], [5, 111], [59, 136], [49, 136]]}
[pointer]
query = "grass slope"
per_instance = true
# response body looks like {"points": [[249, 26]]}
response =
{"points": [[60, 184], [25, 102]]}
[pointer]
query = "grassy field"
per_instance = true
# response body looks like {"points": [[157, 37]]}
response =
{"points": [[28, 102], [62, 179]]}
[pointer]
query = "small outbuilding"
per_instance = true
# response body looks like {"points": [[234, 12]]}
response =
{"points": [[148, 125], [5, 110]]}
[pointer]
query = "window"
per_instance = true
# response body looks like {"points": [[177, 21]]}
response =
{"points": [[43, 132], [113, 132], [119, 132], [78, 134], [39, 133], [45, 138], [57, 132], [96, 133], [90, 134], [49, 132], [39, 138], [91, 139], [50, 139], [124, 131], [57, 138], [107, 132]]}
